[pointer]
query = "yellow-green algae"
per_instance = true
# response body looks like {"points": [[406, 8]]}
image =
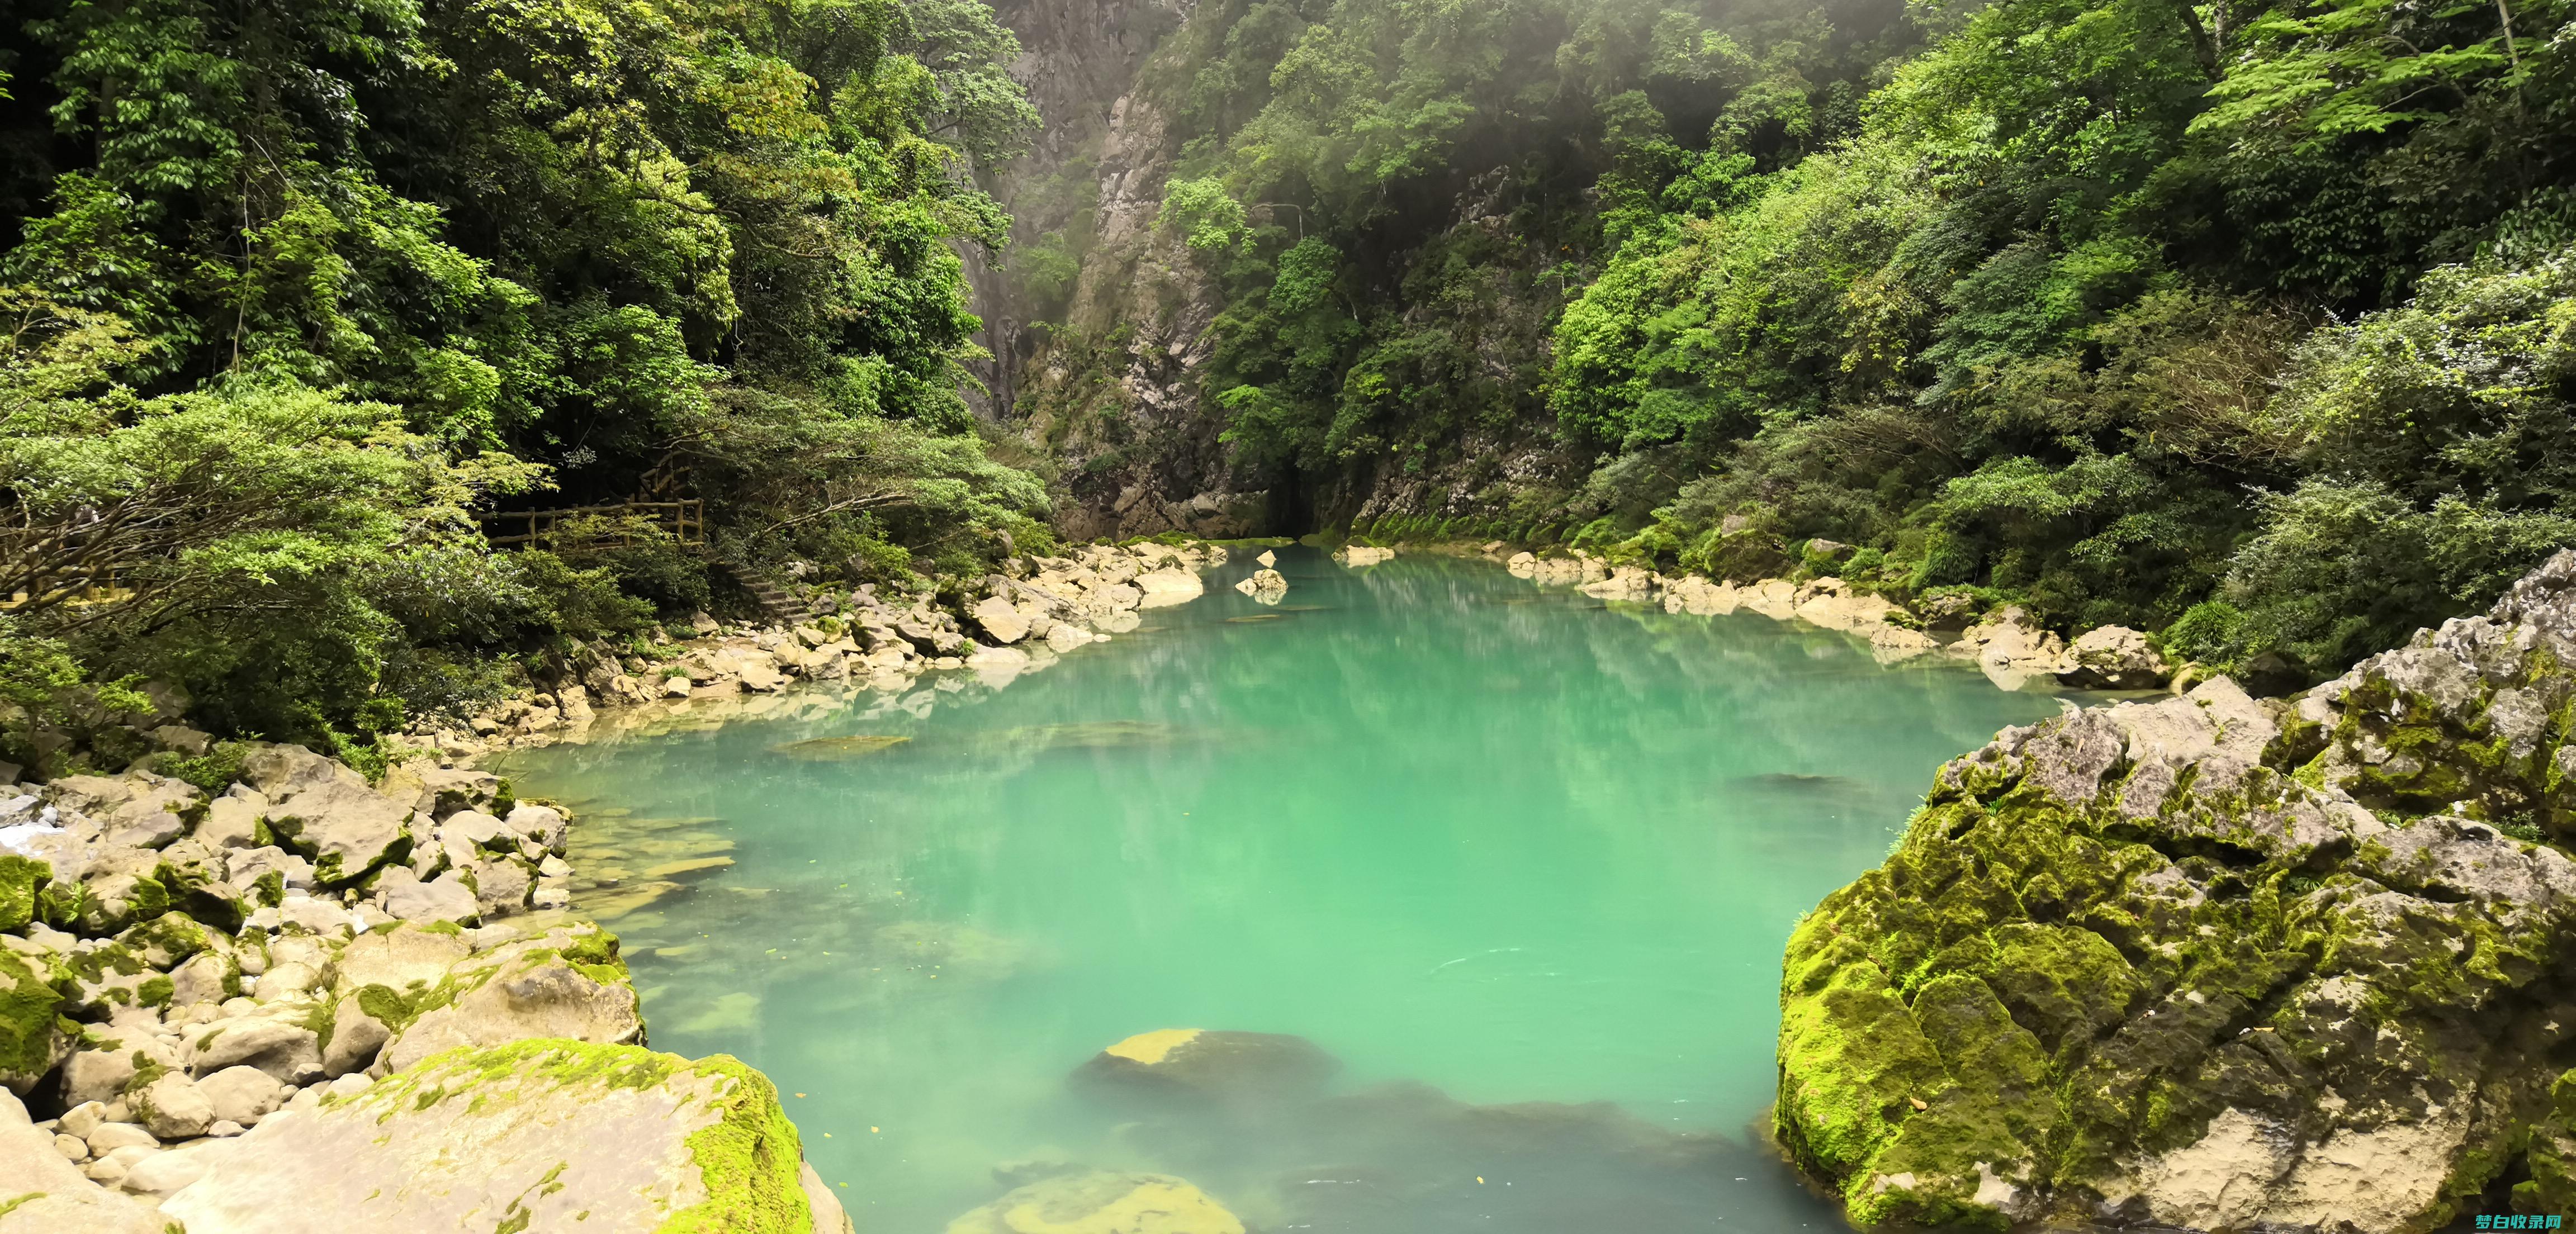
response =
{"points": [[749, 1160]]}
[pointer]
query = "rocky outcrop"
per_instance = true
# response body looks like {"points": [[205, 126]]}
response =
{"points": [[1265, 585], [2219, 964], [1356, 555], [537, 1135]]}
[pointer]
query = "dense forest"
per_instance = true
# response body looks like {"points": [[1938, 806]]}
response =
{"points": [[2244, 323], [297, 292]]}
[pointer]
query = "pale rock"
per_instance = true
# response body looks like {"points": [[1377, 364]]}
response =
{"points": [[72, 1147], [501, 886], [285, 1051], [171, 1108], [243, 1095], [544, 824], [549, 1137], [1267, 559], [2113, 658], [83, 1118], [202, 978], [1164, 588], [518, 991], [446, 898], [357, 1039], [43, 1192], [164, 1173], [1002, 622], [1266, 586], [112, 1136], [1064, 636], [1356, 555], [478, 829], [287, 980], [232, 820]]}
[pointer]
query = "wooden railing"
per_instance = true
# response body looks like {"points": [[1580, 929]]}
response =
{"points": [[685, 519]]}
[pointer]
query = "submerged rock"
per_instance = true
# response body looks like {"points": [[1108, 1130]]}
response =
{"points": [[839, 747], [1218, 1066], [1101, 1202], [539, 1135], [2216, 964]]}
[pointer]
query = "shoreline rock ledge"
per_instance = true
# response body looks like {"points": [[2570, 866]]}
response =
{"points": [[2212, 964]]}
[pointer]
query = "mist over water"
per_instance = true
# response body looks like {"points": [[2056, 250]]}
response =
{"points": [[1487, 846]]}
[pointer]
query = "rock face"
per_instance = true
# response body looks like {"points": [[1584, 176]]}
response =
{"points": [[2214, 964], [1102, 1203], [539, 1135]]}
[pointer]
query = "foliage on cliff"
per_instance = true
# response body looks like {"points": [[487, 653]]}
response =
{"points": [[294, 292], [2134, 311]]}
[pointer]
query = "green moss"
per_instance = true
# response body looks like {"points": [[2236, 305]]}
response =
{"points": [[154, 992], [30, 1008], [750, 1160], [20, 880]]}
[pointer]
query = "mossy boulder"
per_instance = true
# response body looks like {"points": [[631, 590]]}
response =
{"points": [[535, 1135], [2218, 964], [31, 1038]]}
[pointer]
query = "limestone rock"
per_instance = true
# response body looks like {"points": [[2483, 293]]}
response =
{"points": [[1101, 1202], [243, 1095], [1267, 559], [2113, 658], [1164, 588], [2012, 650], [1265, 585], [333, 818], [446, 898], [2207, 963], [540, 1135], [288, 1051], [1197, 1065], [1001, 622], [566, 984], [1356, 555], [171, 1108]]}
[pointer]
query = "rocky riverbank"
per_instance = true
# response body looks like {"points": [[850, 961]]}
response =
{"points": [[204, 997], [2216, 963], [2005, 644], [1018, 622]]}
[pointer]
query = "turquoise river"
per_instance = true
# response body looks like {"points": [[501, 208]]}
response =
{"points": [[1521, 860]]}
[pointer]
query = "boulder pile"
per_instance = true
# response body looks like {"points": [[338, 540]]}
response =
{"points": [[2011, 649], [1047, 606]]}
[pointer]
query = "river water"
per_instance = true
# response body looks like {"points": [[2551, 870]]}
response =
{"points": [[1486, 845]]}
